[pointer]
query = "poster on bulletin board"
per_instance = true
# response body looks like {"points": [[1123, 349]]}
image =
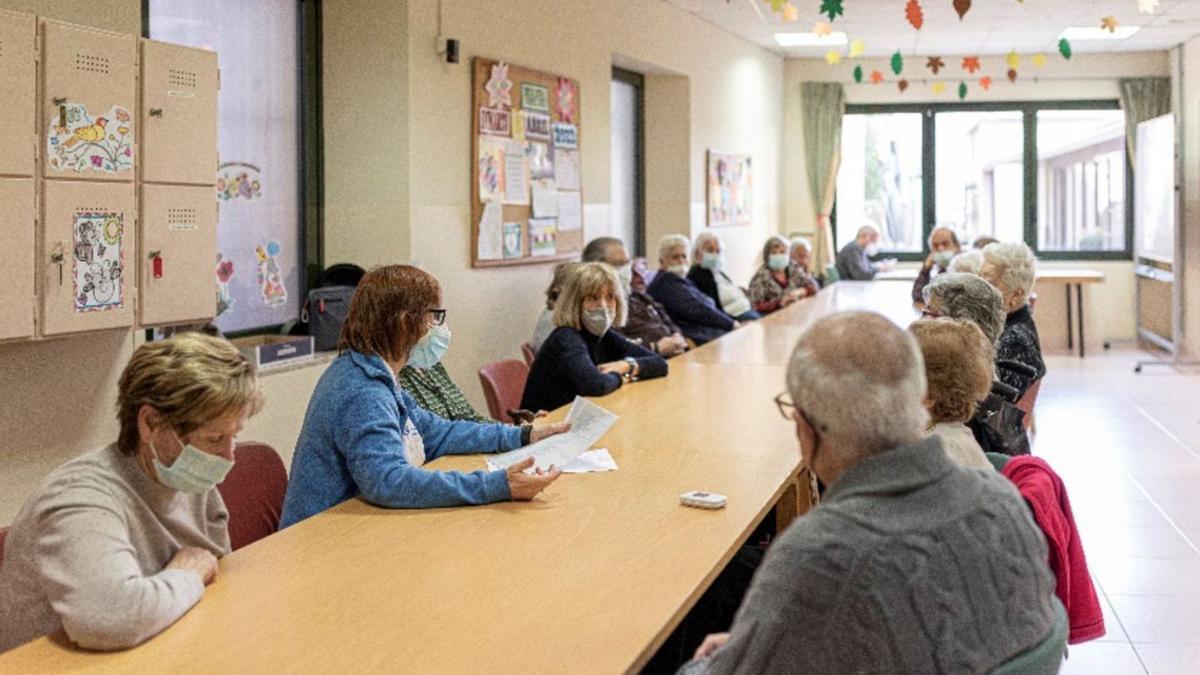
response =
{"points": [[729, 189], [526, 187]]}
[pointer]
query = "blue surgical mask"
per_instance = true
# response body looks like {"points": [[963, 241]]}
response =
{"points": [[711, 261], [597, 321], [430, 349], [942, 259], [194, 471], [778, 261]]}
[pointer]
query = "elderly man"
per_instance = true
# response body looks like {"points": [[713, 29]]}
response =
{"points": [[647, 322], [1010, 268], [694, 312], [943, 246], [854, 260], [910, 564], [708, 275]]}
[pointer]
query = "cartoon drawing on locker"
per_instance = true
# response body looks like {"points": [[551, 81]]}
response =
{"points": [[98, 261], [270, 279], [79, 142], [225, 298]]}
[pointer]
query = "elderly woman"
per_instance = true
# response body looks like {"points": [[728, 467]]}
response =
{"points": [[1010, 268], [968, 262], [363, 435], [706, 273], [966, 297], [801, 254], [116, 545], [779, 282], [943, 246], [545, 322], [958, 374], [584, 356], [696, 314]]}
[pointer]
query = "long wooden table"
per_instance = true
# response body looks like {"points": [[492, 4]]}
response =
{"points": [[589, 578]]}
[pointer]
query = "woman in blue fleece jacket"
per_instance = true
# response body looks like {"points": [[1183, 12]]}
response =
{"points": [[364, 436]]}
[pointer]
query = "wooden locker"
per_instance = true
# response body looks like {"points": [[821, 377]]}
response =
{"points": [[89, 99], [16, 273], [18, 81], [179, 229], [88, 256], [178, 114]]}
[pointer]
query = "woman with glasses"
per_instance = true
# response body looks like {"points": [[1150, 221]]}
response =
{"points": [[363, 435]]}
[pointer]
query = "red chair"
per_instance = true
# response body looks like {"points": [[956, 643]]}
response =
{"points": [[1027, 402], [503, 384], [253, 492], [528, 353], [3, 536]]}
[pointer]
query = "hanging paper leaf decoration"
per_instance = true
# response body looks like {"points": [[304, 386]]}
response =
{"points": [[1013, 60], [1109, 23], [903, 84], [1012, 74], [985, 83], [776, 5], [1147, 6], [833, 57], [962, 90], [970, 64], [1064, 48], [935, 64], [832, 8], [857, 47], [1039, 60], [962, 6], [876, 77], [789, 12], [938, 88], [897, 63], [822, 29], [912, 12], [858, 74]]}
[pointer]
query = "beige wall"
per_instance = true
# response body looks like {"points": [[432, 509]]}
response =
{"points": [[1190, 216]]}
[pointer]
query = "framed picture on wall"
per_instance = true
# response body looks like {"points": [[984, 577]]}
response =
{"points": [[730, 189]]}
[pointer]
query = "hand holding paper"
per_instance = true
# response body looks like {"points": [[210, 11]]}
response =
{"points": [[588, 423]]}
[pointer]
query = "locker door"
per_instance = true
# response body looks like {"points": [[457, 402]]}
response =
{"points": [[179, 227], [178, 114], [89, 99], [88, 256], [16, 273], [18, 81]]}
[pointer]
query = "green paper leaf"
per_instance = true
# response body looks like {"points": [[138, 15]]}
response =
{"points": [[962, 90], [858, 74], [831, 8], [897, 63], [1064, 48]]}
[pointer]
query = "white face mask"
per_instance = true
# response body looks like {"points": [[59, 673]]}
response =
{"points": [[597, 321], [678, 270], [625, 274], [193, 471], [430, 349], [871, 250]]}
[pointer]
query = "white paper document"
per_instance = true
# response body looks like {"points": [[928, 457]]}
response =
{"points": [[545, 199], [516, 175], [592, 461], [491, 239], [589, 422], [570, 210]]}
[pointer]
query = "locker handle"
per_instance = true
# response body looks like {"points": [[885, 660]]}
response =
{"points": [[156, 112], [156, 264], [60, 100], [57, 258]]}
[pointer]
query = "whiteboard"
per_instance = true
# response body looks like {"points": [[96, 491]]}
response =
{"points": [[1154, 190]]}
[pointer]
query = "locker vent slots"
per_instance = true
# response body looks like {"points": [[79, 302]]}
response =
{"points": [[182, 78], [91, 64], [181, 218]]}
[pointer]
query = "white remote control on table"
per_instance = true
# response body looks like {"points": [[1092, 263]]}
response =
{"points": [[702, 500]]}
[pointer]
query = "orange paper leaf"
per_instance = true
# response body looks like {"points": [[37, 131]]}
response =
{"points": [[876, 77], [985, 83], [970, 64], [822, 29], [1109, 23], [912, 12]]}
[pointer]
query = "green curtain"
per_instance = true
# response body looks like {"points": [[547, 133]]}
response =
{"points": [[822, 105], [1143, 98]]}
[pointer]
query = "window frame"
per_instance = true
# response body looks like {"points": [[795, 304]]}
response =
{"points": [[1029, 111]]}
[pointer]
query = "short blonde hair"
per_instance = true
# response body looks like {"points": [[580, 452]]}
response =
{"points": [[190, 379], [586, 279], [958, 367]]}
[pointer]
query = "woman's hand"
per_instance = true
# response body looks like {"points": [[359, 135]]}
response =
{"points": [[197, 560], [524, 487], [538, 433], [618, 367], [672, 345], [711, 644]]}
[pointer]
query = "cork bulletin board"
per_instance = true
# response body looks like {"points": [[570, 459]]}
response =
{"points": [[526, 180]]}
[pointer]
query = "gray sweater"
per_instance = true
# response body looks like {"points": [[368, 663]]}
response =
{"points": [[87, 552], [910, 564]]}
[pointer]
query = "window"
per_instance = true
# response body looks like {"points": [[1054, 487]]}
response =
{"points": [[1053, 175], [628, 209], [260, 269]]}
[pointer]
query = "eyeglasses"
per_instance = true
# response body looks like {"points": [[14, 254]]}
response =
{"points": [[787, 407], [439, 316], [930, 314]]}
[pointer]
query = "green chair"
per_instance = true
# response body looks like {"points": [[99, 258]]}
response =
{"points": [[997, 459], [1044, 658]]}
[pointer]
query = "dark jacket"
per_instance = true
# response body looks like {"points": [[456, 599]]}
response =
{"points": [[697, 315], [565, 367], [648, 321], [706, 281], [853, 264], [1019, 342]]}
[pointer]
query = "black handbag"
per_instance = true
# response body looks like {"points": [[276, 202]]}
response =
{"points": [[998, 424]]}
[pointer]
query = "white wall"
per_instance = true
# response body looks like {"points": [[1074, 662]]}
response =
{"points": [[1189, 55]]}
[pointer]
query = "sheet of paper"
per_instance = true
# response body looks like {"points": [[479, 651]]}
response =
{"points": [[516, 176], [570, 211], [592, 461], [589, 422], [491, 233], [566, 168], [545, 199], [543, 236]]}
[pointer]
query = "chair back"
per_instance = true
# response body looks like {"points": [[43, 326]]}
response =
{"points": [[253, 492], [528, 353], [998, 460], [1026, 403], [3, 536], [503, 384], [1044, 658]]}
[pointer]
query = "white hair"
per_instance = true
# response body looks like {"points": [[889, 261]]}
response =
{"points": [[702, 239], [1014, 265], [968, 297], [669, 242], [865, 230], [860, 381], [967, 261], [798, 242]]}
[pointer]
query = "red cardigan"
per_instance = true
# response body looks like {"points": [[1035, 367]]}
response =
{"points": [[1046, 495]]}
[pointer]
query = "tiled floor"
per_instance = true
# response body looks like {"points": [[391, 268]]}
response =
{"points": [[1128, 448]]}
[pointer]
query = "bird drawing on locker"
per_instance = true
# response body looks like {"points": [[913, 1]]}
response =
{"points": [[78, 142], [90, 134]]}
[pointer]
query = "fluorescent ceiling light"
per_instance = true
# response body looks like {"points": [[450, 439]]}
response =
{"points": [[810, 39], [1080, 33]]}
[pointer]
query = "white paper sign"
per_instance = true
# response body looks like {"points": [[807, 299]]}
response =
{"points": [[545, 199], [491, 239], [589, 422], [570, 211], [566, 169], [516, 177]]}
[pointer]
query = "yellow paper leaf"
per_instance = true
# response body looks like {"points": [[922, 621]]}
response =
{"points": [[1039, 60], [1013, 60], [1109, 23], [857, 47], [822, 29], [833, 57], [938, 88], [789, 12]]}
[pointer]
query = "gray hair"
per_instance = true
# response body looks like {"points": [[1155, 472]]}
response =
{"points": [[669, 242], [860, 381], [797, 242], [969, 298], [968, 261], [702, 239], [866, 229], [1014, 265], [772, 241], [597, 249]]}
